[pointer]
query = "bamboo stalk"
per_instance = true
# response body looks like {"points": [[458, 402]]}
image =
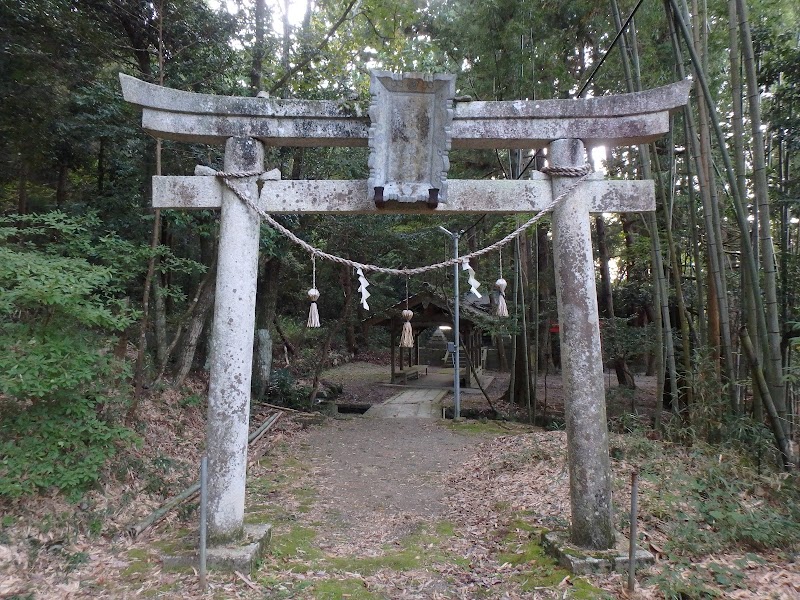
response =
{"points": [[774, 418]]}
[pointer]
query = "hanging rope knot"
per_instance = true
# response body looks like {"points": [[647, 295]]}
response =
{"points": [[502, 306], [238, 175], [568, 171], [209, 172], [313, 295], [313, 312], [407, 336]]}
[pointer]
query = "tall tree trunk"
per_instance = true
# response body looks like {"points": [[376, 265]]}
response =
{"points": [[194, 330], [606, 303], [521, 366], [545, 287], [22, 188], [267, 298], [61, 186], [606, 299], [667, 201], [677, 19], [694, 234], [774, 364], [322, 357], [748, 308], [256, 66], [346, 282], [143, 56], [722, 342], [160, 318], [660, 289], [519, 390]]}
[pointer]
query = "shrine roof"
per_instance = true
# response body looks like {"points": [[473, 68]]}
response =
{"points": [[430, 310]]}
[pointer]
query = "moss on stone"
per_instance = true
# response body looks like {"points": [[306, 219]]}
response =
{"points": [[541, 570]]}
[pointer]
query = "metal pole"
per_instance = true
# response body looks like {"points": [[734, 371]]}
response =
{"points": [[457, 335], [632, 550], [456, 356], [203, 520]]}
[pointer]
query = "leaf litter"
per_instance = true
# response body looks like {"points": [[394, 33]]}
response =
{"points": [[414, 510]]}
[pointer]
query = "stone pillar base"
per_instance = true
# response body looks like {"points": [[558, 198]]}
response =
{"points": [[580, 561], [242, 556]]}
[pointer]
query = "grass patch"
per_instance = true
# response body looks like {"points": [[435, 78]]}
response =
{"points": [[420, 549], [445, 529], [540, 570], [338, 589], [481, 427], [136, 569], [260, 514], [296, 543], [716, 502], [137, 554], [182, 541]]}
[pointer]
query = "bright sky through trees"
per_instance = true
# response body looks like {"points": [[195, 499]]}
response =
{"points": [[297, 11]]}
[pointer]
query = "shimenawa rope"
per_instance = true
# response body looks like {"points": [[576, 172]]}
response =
{"points": [[580, 173]]}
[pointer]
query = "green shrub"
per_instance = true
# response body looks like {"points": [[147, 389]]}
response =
{"points": [[61, 389], [283, 390]]}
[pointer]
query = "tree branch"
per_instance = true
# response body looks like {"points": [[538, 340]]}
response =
{"points": [[310, 56]]}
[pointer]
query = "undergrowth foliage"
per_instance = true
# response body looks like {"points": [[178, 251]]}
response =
{"points": [[62, 308], [713, 500]]}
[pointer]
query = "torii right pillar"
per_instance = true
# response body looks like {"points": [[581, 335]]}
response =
{"points": [[581, 356]]}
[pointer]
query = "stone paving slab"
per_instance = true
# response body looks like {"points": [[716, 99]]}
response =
{"points": [[410, 404]]}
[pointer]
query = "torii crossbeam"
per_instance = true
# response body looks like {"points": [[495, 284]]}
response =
{"points": [[566, 127]]}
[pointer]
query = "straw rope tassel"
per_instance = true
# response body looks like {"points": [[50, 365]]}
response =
{"points": [[502, 307], [313, 295], [501, 284], [407, 336], [313, 312]]}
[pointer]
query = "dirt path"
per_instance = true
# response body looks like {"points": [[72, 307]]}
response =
{"points": [[380, 508], [378, 479]]}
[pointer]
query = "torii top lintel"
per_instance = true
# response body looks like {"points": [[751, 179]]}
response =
{"points": [[623, 119]]}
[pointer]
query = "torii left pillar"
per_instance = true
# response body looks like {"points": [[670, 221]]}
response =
{"points": [[581, 357], [232, 345]]}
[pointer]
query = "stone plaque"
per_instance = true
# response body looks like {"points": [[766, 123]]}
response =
{"points": [[409, 137]]}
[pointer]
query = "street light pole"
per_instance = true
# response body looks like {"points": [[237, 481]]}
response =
{"points": [[456, 328]]}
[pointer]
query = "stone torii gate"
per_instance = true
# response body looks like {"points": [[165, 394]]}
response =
{"points": [[412, 124]]}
